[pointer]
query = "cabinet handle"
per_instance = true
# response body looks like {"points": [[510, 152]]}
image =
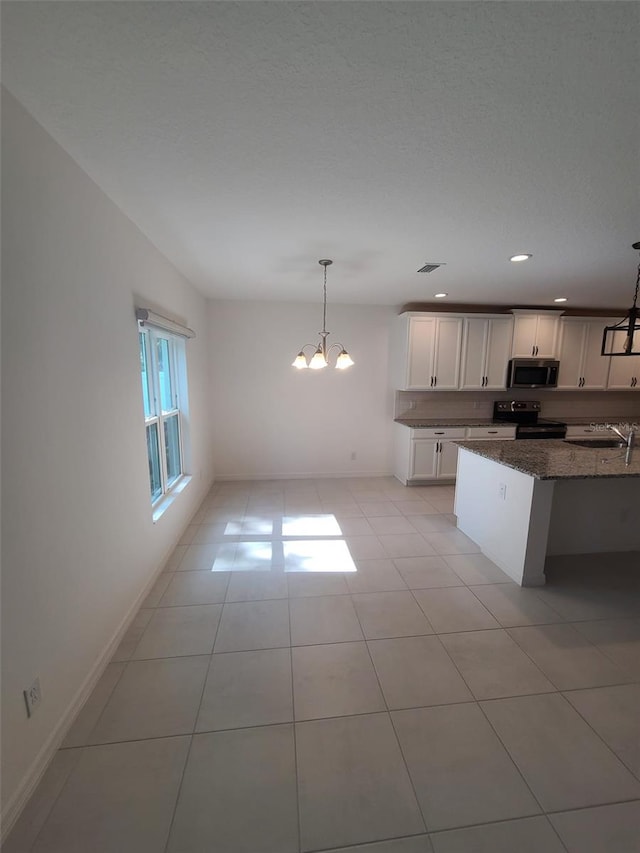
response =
{"points": [[438, 433], [492, 432], [435, 381], [432, 381]]}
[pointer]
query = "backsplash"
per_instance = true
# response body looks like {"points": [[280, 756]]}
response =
{"points": [[593, 405]]}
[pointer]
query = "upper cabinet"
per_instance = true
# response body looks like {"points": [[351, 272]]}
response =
{"points": [[535, 334], [486, 349], [447, 352], [581, 365], [625, 369], [427, 352]]}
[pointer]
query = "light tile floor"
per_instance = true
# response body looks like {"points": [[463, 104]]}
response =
{"points": [[329, 665]]}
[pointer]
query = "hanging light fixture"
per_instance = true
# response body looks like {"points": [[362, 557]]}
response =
{"points": [[320, 357], [618, 339]]}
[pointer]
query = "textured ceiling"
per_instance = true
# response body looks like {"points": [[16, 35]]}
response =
{"points": [[250, 139]]}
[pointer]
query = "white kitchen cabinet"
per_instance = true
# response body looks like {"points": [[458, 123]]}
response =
{"points": [[486, 349], [427, 353], [624, 371], [491, 433], [434, 456], [581, 365], [588, 430], [426, 453], [535, 334], [431, 453]]}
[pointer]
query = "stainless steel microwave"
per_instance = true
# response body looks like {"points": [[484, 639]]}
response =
{"points": [[533, 373]]}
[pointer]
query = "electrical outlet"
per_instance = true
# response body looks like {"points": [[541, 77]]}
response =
{"points": [[32, 697], [502, 491]]}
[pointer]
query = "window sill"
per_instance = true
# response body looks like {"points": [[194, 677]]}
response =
{"points": [[165, 502]]}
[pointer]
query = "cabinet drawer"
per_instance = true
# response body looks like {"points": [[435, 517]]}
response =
{"points": [[438, 432], [492, 432], [593, 429]]}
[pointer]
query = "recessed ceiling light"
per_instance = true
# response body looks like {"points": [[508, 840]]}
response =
{"points": [[440, 295], [517, 258], [560, 299]]}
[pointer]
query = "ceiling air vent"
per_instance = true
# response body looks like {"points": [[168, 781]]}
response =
{"points": [[430, 267]]}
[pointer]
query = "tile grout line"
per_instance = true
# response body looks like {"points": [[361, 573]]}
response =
{"points": [[295, 733], [595, 731], [390, 718], [192, 736]]}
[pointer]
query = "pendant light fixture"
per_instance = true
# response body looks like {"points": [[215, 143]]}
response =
{"points": [[619, 339], [320, 357]]}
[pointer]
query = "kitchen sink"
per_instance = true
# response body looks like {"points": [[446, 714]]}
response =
{"points": [[598, 443]]}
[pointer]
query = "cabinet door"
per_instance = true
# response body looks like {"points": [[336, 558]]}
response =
{"points": [[624, 370], [595, 368], [572, 340], [524, 336], [535, 336], [448, 459], [422, 332], [498, 349], [447, 354], [546, 336], [474, 353], [424, 458]]}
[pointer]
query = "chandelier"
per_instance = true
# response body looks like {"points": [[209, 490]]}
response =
{"points": [[620, 337], [320, 357]]}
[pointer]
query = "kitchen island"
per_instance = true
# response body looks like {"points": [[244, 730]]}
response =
{"points": [[524, 501]]}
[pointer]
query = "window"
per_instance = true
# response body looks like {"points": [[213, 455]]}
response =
{"points": [[162, 360]]}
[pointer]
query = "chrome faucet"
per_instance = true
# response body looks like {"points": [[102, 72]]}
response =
{"points": [[628, 439]]}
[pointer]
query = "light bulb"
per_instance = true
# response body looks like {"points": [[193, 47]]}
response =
{"points": [[318, 361], [344, 360], [300, 361]]}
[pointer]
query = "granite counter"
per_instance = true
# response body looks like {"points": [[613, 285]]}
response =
{"points": [[524, 501], [555, 459]]}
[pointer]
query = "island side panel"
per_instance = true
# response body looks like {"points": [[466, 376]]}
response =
{"points": [[595, 515], [506, 513]]}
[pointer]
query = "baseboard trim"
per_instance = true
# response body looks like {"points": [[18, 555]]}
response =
{"points": [[36, 771], [310, 475]]}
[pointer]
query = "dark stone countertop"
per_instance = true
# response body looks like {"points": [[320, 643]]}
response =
{"points": [[416, 423], [554, 459]]}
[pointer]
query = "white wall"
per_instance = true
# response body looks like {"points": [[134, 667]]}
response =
{"points": [[271, 420], [78, 542]]}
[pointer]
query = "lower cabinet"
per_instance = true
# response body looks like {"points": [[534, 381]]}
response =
{"points": [[431, 459], [425, 453], [595, 429]]}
